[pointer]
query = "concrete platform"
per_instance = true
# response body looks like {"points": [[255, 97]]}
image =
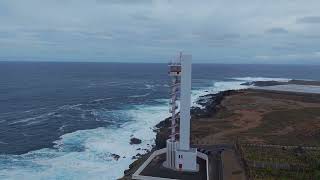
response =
{"points": [[156, 169], [153, 169]]}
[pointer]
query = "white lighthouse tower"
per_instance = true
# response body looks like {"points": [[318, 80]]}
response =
{"points": [[179, 154]]}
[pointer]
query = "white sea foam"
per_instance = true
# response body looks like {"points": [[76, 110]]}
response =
{"points": [[251, 79], [25, 134], [149, 86], [142, 95], [1, 142], [73, 106], [25, 120], [32, 120], [102, 99], [62, 128], [217, 86], [93, 158], [86, 154]]}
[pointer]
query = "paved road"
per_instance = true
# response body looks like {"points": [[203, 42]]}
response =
{"points": [[215, 163]]}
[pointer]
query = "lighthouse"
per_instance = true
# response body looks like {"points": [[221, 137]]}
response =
{"points": [[180, 156]]}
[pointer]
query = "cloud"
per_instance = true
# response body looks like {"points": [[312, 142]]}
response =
{"points": [[277, 31], [309, 19], [127, 30], [133, 2], [296, 56]]}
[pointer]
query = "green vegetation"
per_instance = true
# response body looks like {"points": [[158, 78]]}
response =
{"points": [[268, 174], [290, 156], [282, 163]]}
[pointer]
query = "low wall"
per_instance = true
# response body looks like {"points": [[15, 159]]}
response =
{"points": [[162, 151], [204, 157], [145, 164]]}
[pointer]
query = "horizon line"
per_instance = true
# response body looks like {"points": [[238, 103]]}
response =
{"points": [[143, 62]]}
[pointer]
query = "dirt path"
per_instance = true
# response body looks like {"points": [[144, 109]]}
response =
{"points": [[232, 169]]}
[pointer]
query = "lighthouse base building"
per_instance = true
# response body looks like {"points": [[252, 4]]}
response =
{"points": [[180, 160]]}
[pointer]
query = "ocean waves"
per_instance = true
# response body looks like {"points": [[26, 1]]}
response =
{"points": [[89, 153]]}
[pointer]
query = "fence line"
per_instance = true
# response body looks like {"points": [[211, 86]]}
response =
{"points": [[248, 164], [281, 146]]}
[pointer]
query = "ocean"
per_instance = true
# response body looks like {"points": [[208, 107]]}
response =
{"points": [[65, 120]]}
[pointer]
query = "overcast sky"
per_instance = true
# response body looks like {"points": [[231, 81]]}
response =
{"points": [[213, 31]]}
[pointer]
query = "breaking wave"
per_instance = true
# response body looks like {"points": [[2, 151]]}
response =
{"points": [[138, 96]]}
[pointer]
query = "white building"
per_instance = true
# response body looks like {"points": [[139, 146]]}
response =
{"points": [[179, 154]]}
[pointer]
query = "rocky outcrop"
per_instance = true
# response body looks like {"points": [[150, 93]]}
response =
{"points": [[115, 156], [135, 141], [209, 103], [162, 133], [274, 83], [264, 83]]}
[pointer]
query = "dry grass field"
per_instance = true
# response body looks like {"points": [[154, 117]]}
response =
{"points": [[256, 116]]}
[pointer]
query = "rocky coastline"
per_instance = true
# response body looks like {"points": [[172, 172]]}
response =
{"points": [[210, 105], [247, 115], [275, 83]]}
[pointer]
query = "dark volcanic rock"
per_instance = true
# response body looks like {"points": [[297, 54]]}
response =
{"points": [[274, 83], [264, 83], [209, 103], [162, 133], [161, 138], [198, 112], [247, 83], [115, 156], [135, 141], [137, 156], [163, 123]]}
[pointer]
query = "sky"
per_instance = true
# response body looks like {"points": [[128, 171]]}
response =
{"points": [[213, 31]]}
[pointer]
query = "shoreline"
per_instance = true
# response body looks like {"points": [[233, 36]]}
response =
{"points": [[211, 105], [96, 147]]}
